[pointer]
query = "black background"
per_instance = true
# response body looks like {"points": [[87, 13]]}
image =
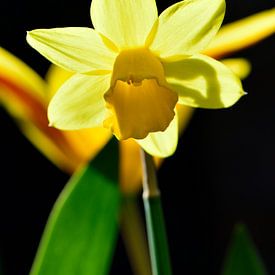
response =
{"points": [[223, 171]]}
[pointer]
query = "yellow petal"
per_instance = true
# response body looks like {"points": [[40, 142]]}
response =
{"points": [[242, 33], [79, 103], [55, 78], [201, 81], [125, 22], [239, 66], [15, 71], [77, 49], [87, 142], [162, 144], [187, 27]]}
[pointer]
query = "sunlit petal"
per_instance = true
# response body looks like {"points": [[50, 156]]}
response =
{"points": [[201, 81], [77, 49], [126, 22], [55, 78], [187, 27], [87, 142], [79, 103]]}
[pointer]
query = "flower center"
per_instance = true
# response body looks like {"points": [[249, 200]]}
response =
{"points": [[139, 99]]}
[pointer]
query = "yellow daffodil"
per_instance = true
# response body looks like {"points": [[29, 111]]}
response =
{"points": [[134, 67], [25, 95]]}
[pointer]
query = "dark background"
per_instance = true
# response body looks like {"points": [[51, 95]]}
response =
{"points": [[223, 171]]}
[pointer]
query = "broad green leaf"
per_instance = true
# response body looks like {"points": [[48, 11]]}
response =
{"points": [[82, 229], [242, 257]]}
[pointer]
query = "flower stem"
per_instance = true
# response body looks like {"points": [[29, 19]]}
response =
{"points": [[158, 245], [134, 236]]}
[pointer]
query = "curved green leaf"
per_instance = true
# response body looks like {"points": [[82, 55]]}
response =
{"points": [[242, 257], [82, 229]]}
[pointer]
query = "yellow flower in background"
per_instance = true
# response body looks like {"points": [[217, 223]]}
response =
{"points": [[134, 67], [25, 96]]}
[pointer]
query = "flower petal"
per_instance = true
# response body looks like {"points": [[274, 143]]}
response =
{"points": [[79, 103], [21, 75], [187, 27], [126, 22], [55, 78], [201, 81], [76, 49], [162, 144], [242, 33], [87, 142]]}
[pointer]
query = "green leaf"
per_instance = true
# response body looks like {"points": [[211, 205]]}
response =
{"points": [[242, 257], [82, 229]]}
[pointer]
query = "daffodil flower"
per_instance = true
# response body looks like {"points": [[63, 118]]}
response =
{"points": [[134, 67], [25, 96]]}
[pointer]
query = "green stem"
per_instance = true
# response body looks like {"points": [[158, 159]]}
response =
{"points": [[158, 245], [134, 237]]}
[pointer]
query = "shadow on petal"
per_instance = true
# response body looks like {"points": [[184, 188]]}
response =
{"points": [[203, 82]]}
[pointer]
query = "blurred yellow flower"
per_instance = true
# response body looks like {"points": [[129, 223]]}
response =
{"points": [[25, 96], [134, 67]]}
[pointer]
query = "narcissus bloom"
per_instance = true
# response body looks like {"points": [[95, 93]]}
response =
{"points": [[26, 96], [134, 67]]}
